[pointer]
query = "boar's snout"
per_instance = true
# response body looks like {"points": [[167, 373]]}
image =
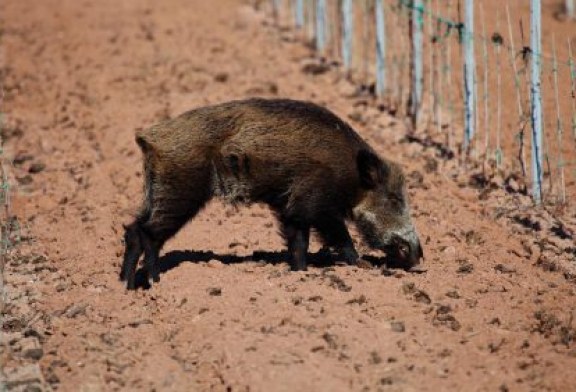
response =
{"points": [[405, 251]]}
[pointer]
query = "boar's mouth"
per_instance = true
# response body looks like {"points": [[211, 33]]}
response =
{"points": [[404, 253], [402, 246]]}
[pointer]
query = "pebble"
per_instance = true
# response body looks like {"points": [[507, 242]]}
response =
{"points": [[75, 310], [28, 376], [398, 326], [31, 348], [449, 251], [217, 264], [36, 168]]}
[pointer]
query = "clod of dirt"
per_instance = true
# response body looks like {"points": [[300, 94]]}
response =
{"points": [[515, 184], [449, 251], [265, 88], [504, 269], [465, 268], [528, 222], [549, 326], [137, 323], [494, 347], [28, 377], [330, 339], [431, 165], [386, 381], [359, 300], [409, 288], [346, 88], [9, 131], [11, 338], [357, 117], [36, 167], [31, 348], [444, 317], [76, 310], [315, 67], [31, 332], [560, 230], [397, 326], [25, 180], [422, 297], [336, 281], [416, 180], [443, 309], [217, 264], [234, 244], [375, 358], [473, 238], [448, 320], [20, 158], [221, 77], [495, 321], [453, 294], [504, 388], [215, 291], [547, 263], [471, 302]]}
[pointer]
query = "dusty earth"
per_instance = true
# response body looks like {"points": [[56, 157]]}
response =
{"points": [[494, 311]]}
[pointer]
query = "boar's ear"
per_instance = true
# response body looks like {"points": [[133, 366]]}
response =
{"points": [[372, 171]]}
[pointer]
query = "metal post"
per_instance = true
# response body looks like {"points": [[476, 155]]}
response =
{"points": [[320, 26], [310, 19], [347, 32], [299, 13], [469, 74], [572, 66], [535, 87], [417, 68], [276, 6], [380, 49]]}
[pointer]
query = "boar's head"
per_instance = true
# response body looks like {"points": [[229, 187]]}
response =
{"points": [[383, 214]]}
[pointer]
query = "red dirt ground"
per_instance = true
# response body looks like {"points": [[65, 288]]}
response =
{"points": [[494, 311]]}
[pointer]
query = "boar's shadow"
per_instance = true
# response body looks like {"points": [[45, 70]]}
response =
{"points": [[173, 259]]}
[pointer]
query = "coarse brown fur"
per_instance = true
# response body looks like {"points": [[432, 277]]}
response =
{"points": [[308, 165]]}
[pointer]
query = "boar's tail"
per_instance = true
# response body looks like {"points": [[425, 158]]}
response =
{"points": [[148, 170], [142, 143]]}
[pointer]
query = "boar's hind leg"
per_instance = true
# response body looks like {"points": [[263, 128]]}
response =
{"points": [[334, 234], [298, 237]]}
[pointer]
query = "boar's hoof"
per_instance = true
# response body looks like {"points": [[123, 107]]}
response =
{"points": [[417, 269], [364, 264], [298, 267]]}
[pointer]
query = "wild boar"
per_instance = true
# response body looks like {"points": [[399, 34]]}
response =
{"points": [[309, 166]]}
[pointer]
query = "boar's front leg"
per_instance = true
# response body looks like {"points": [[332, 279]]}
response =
{"points": [[334, 234], [134, 248], [298, 238], [138, 240]]}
